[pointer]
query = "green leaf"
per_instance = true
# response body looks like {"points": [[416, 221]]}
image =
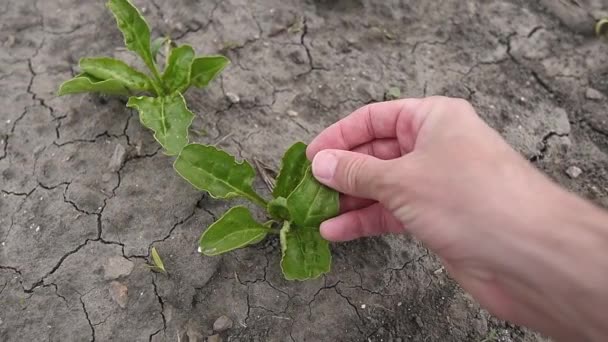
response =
{"points": [[215, 171], [135, 30], [158, 262], [312, 202], [84, 83], [156, 45], [277, 208], [306, 254], [601, 27], [293, 168], [236, 229], [205, 69], [177, 73], [105, 68], [168, 117]]}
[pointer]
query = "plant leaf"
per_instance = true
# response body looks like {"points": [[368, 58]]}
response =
{"points": [[134, 28], [312, 202], [306, 254], [236, 229], [601, 27], [277, 208], [158, 262], [177, 73], [293, 168], [168, 117], [156, 45], [84, 83], [205, 69], [105, 68], [215, 171]]}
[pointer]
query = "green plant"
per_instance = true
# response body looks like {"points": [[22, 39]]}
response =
{"points": [[165, 112], [299, 203]]}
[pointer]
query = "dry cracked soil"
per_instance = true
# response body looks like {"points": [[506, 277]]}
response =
{"points": [[77, 222]]}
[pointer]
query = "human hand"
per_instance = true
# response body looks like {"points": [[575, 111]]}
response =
{"points": [[433, 168]]}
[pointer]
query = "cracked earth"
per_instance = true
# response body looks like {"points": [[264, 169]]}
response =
{"points": [[76, 229]]}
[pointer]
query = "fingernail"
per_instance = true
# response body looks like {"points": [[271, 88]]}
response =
{"points": [[324, 165]]}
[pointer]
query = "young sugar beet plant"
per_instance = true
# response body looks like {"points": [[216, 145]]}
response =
{"points": [[299, 203]]}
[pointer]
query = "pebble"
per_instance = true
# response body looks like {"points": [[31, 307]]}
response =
{"points": [[119, 293], [214, 338], [222, 324], [116, 267], [573, 172], [419, 321], [292, 113], [233, 98], [593, 94], [118, 157]]}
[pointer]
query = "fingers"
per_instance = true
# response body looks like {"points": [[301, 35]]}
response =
{"points": [[351, 173], [374, 121], [348, 203], [385, 149], [369, 221]]}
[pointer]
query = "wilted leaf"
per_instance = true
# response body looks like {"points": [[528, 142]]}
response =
{"points": [[177, 73], [158, 262], [205, 69], [293, 168], [312, 202], [105, 68], [215, 171], [277, 208], [306, 254], [168, 117], [134, 29], [234, 230], [84, 83]]}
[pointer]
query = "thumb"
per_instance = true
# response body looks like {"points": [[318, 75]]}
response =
{"points": [[351, 173]]}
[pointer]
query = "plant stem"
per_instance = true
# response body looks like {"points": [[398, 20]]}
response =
{"points": [[259, 201], [156, 82]]}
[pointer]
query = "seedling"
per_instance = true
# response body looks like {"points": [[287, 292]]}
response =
{"points": [[299, 203], [165, 112]]}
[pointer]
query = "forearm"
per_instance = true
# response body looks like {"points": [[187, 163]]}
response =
{"points": [[559, 271]]}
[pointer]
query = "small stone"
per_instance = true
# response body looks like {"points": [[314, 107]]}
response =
{"points": [[222, 324], [233, 98], [118, 157], [574, 172], [419, 321], [214, 338], [362, 306], [119, 293], [593, 94], [117, 267], [292, 113]]}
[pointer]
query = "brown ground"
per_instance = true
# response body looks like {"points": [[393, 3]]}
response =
{"points": [[70, 226]]}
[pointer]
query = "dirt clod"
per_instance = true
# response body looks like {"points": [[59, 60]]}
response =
{"points": [[119, 293], [593, 94], [222, 324], [117, 267], [233, 98], [214, 338], [574, 172]]}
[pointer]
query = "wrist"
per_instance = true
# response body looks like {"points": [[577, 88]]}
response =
{"points": [[559, 270]]}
